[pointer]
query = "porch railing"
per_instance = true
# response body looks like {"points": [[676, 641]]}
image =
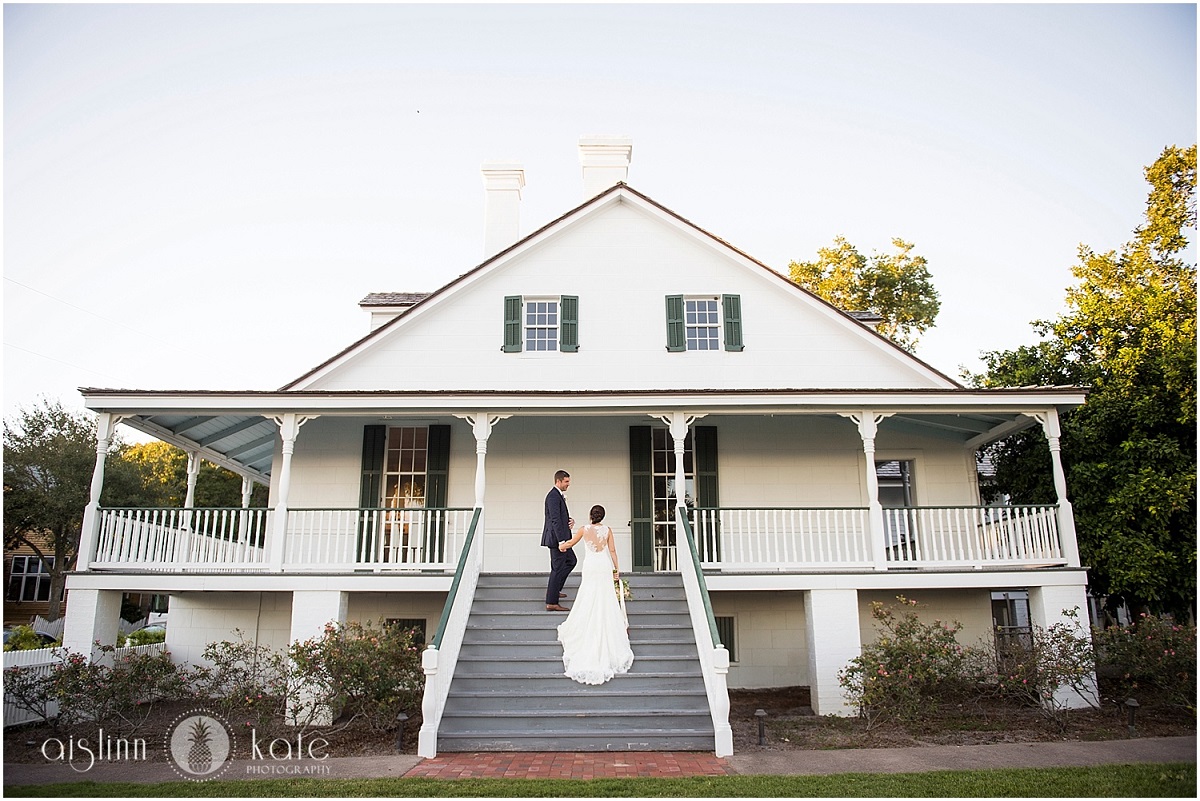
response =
{"points": [[178, 539], [375, 539], [912, 537], [173, 539], [975, 536]]}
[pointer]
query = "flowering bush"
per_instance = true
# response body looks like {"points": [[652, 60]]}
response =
{"points": [[1151, 658], [910, 666], [246, 682], [359, 672], [117, 693], [1049, 668]]}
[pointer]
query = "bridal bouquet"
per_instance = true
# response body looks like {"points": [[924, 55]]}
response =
{"points": [[621, 586]]}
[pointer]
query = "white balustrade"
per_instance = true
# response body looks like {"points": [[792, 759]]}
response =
{"points": [[375, 539], [782, 539], [178, 539], [805, 539]]}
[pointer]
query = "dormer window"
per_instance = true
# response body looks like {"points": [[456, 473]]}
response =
{"points": [[541, 324], [697, 322]]}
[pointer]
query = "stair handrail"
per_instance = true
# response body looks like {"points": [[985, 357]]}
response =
{"points": [[714, 659], [440, 658]]}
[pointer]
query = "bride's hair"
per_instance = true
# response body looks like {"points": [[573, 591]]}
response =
{"points": [[597, 513]]}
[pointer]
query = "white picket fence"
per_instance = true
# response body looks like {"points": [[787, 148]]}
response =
{"points": [[42, 660]]}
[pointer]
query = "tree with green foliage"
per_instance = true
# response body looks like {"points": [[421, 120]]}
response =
{"points": [[1128, 333], [896, 286], [49, 456], [164, 471]]}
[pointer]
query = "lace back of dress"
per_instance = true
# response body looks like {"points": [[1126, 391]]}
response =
{"points": [[595, 537]]}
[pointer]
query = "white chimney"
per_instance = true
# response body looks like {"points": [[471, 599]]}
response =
{"points": [[605, 161], [502, 181]]}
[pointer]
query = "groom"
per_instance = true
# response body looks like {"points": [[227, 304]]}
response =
{"points": [[556, 529]]}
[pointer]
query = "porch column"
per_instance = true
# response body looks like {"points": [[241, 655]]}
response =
{"points": [[105, 426], [1066, 513], [678, 424], [311, 610], [868, 426], [831, 623], [92, 617], [481, 426], [289, 429], [247, 491], [193, 473], [1049, 606]]}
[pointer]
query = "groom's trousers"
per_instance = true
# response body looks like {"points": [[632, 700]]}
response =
{"points": [[561, 565]]}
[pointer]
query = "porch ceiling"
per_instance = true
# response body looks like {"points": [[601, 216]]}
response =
{"points": [[244, 444], [228, 430]]}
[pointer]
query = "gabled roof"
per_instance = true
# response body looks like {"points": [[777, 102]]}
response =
{"points": [[621, 190]]}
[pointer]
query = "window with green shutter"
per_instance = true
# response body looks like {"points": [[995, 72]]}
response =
{"points": [[695, 322], [541, 324]]}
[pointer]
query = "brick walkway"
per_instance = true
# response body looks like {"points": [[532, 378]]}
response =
{"points": [[570, 765]]}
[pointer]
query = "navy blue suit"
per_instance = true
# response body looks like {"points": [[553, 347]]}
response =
{"points": [[555, 530]]}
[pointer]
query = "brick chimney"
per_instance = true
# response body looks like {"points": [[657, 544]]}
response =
{"points": [[605, 161], [502, 181]]}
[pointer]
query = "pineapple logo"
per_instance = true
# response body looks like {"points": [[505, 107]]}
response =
{"points": [[199, 745]]}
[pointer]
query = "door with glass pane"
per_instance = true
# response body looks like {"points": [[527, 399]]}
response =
{"points": [[405, 464]]}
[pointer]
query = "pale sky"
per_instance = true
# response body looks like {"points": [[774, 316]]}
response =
{"points": [[197, 196]]}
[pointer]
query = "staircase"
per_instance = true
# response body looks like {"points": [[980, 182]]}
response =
{"points": [[509, 692]]}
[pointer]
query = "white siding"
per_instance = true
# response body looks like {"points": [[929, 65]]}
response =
{"points": [[621, 262], [197, 619]]}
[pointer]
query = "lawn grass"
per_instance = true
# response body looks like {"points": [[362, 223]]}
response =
{"points": [[1169, 780]]}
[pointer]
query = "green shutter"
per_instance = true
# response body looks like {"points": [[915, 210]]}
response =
{"points": [[676, 330], [641, 495], [370, 493], [704, 439], [512, 324], [437, 467], [732, 304], [437, 472], [568, 324]]}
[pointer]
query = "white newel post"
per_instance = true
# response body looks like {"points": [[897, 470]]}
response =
{"points": [[106, 424], [289, 428], [1066, 513], [868, 426]]}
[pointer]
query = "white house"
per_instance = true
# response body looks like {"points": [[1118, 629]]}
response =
{"points": [[822, 467]]}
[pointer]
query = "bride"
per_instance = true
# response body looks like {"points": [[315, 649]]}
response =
{"points": [[595, 635]]}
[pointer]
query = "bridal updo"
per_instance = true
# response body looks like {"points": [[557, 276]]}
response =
{"points": [[597, 514]]}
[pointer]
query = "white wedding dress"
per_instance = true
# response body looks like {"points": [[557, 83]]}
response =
{"points": [[595, 635]]}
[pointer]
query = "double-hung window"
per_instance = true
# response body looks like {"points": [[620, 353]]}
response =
{"points": [[29, 578], [541, 324], [704, 322]]}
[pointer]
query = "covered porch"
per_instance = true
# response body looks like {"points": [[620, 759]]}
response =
{"points": [[801, 484]]}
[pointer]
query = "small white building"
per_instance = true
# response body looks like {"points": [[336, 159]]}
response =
{"points": [[822, 467]]}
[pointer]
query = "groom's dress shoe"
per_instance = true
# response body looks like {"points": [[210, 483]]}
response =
{"points": [[562, 595], [556, 608]]}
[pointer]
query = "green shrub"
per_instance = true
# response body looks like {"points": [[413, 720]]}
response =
{"points": [[358, 672], [145, 637], [24, 638], [1152, 658], [247, 683], [911, 666], [1052, 667]]}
